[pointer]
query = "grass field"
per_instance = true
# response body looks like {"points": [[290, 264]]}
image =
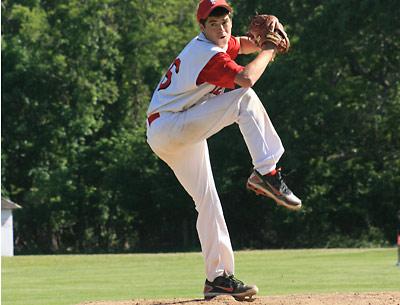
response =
{"points": [[70, 279]]}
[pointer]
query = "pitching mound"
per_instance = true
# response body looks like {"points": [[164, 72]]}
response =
{"points": [[371, 298]]}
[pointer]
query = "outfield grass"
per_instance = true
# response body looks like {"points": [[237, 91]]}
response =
{"points": [[70, 279]]}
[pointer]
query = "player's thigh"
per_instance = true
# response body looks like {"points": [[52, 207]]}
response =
{"points": [[206, 119]]}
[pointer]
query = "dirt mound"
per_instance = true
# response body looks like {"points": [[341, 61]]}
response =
{"points": [[370, 298]]}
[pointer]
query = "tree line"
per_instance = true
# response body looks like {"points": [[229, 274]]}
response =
{"points": [[77, 77]]}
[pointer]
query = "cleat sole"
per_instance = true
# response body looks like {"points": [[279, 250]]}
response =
{"points": [[262, 192]]}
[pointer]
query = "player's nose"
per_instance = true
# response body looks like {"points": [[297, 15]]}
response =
{"points": [[221, 28]]}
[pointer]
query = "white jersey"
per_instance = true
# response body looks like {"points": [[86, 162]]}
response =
{"points": [[178, 90]]}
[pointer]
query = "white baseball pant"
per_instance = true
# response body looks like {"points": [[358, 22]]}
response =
{"points": [[179, 139]]}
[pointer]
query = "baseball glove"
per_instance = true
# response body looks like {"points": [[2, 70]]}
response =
{"points": [[264, 29]]}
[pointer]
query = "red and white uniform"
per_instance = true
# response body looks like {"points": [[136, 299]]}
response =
{"points": [[202, 68], [191, 107]]}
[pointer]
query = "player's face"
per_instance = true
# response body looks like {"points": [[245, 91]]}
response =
{"points": [[218, 30]]}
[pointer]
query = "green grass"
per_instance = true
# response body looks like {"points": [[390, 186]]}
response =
{"points": [[70, 279]]}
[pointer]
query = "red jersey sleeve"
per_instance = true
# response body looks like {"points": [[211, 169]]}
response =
{"points": [[221, 70]]}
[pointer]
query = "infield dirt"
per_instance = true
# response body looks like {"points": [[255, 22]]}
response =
{"points": [[370, 298]]}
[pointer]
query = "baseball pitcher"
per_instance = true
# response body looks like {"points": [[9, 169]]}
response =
{"points": [[189, 105]]}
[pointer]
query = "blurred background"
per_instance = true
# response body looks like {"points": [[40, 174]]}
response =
{"points": [[76, 80]]}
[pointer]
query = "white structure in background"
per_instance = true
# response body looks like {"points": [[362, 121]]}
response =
{"points": [[7, 231]]}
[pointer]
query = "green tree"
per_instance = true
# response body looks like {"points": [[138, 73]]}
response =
{"points": [[75, 87], [76, 81]]}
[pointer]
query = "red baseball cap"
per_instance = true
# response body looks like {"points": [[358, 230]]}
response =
{"points": [[206, 6]]}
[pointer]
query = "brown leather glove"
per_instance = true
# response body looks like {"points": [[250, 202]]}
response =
{"points": [[265, 29]]}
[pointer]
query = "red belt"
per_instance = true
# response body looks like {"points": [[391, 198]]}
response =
{"points": [[152, 117]]}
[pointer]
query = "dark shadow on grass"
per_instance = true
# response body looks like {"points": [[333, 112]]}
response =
{"points": [[180, 302], [196, 300]]}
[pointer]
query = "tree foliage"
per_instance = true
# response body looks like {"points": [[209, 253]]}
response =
{"points": [[77, 77]]}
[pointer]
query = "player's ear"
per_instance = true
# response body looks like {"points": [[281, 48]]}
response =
{"points": [[202, 25]]}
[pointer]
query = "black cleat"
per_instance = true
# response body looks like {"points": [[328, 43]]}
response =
{"points": [[274, 187], [229, 285]]}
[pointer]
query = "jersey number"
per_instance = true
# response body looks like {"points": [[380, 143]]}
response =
{"points": [[168, 76]]}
